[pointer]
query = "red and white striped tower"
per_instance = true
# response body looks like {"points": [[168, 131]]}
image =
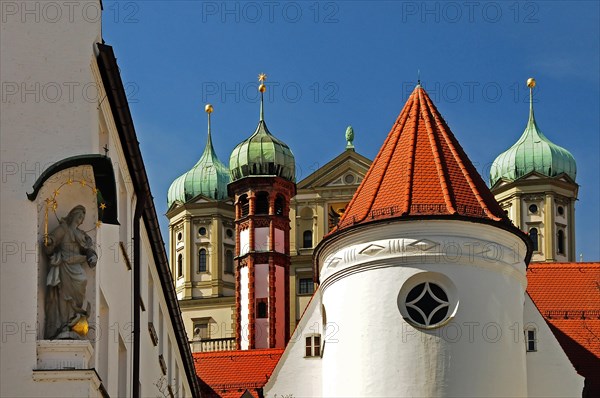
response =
{"points": [[263, 183]]}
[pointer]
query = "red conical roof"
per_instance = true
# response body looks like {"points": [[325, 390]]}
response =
{"points": [[420, 171]]}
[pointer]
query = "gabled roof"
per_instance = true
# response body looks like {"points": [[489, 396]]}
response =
{"points": [[568, 297], [421, 170], [231, 373]]}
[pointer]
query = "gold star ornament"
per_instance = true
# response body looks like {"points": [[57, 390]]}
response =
{"points": [[103, 206], [261, 78]]}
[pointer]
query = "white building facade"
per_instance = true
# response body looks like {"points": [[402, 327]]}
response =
{"points": [[68, 146], [422, 286]]}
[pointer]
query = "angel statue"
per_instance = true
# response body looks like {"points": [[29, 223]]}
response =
{"points": [[68, 249]]}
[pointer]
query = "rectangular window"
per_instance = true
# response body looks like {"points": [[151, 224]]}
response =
{"points": [[201, 330], [531, 340], [305, 286], [313, 345], [262, 310]]}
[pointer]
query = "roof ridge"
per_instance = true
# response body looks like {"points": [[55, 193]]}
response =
{"points": [[411, 163], [439, 165], [255, 352]]}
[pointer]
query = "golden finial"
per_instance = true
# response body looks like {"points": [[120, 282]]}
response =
{"points": [[208, 108], [261, 78], [531, 85]]}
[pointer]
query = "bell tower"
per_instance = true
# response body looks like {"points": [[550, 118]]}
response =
{"points": [[534, 182], [263, 183]]}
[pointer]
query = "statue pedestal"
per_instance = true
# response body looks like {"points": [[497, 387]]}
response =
{"points": [[63, 354]]}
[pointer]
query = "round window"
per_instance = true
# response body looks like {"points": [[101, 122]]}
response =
{"points": [[560, 210], [179, 236], [427, 304], [533, 209], [202, 231], [229, 233], [349, 179]]}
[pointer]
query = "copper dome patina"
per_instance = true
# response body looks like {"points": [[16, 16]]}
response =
{"points": [[209, 176], [532, 152], [262, 154]]}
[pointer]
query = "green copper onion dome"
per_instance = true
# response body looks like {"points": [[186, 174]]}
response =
{"points": [[532, 152], [209, 177], [262, 154]]}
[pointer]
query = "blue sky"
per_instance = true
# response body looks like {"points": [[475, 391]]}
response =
{"points": [[332, 64]]}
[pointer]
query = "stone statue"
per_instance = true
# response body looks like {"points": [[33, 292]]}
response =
{"points": [[68, 249]]}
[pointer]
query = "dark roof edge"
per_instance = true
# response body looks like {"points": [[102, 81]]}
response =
{"points": [[509, 227], [115, 92]]}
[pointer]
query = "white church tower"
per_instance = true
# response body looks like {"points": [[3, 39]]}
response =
{"points": [[422, 282]]}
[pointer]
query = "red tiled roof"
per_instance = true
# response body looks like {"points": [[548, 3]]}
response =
{"points": [[568, 297], [421, 170], [229, 374]]}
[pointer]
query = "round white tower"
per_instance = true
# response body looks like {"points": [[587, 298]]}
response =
{"points": [[423, 280]]}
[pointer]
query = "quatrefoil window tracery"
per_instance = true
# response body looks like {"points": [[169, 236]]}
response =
{"points": [[427, 304]]}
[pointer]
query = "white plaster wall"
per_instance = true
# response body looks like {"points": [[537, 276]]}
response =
{"points": [[244, 241], [549, 371], [36, 130], [280, 306], [361, 281], [55, 112], [296, 375], [261, 239], [261, 286], [244, 301]]}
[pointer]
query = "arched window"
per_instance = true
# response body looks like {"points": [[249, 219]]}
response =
{"points": [[533, 235], [560, 244], [307, 239], [229, 262], [202, 260], [244, 205], [279, 205], [262, 203], [180, 265]]}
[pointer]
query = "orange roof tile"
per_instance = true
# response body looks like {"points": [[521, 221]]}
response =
{"points": [[229, 374], [421, 170], [568, 297]]}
